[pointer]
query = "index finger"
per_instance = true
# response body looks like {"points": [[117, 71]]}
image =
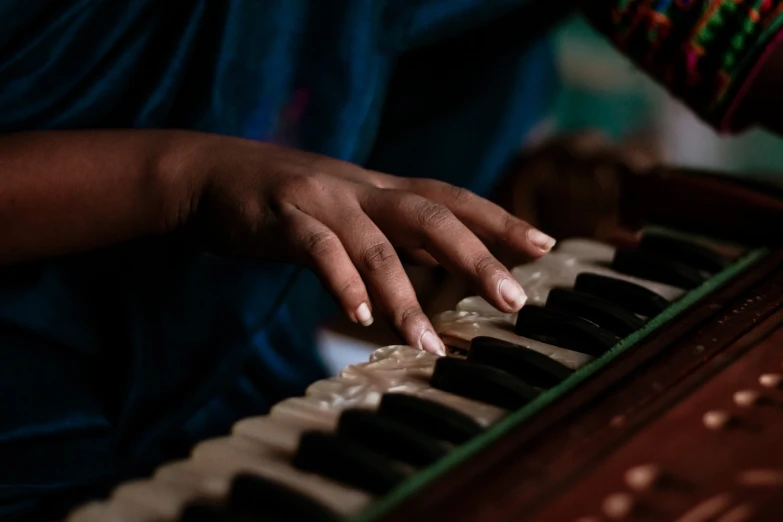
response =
{"points": [[417, 222], [489, 221]]}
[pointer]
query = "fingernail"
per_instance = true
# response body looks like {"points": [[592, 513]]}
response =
{"points": [[431, 343], [512, 293], [540, 239], [363, 315]]}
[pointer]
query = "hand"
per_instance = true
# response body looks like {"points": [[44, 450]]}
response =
{"points": [[347, 224], [570, 185]]}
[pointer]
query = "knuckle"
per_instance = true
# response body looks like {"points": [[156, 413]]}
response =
{"points": [[408, 314], [485, 264], [304, 186], [379, 257], [353, 287], [432, 215], [514, 228], [459, 195], [320, 243]]}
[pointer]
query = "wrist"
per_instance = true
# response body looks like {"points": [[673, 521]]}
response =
{"points": [[183, 171]]}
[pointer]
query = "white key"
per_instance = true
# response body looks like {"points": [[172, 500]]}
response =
{"points": [[459, 328], [230, 456], [354, 392], [103, 512], [275, 433], [161, 501], [560, 270], [557, 270], [408, 370], [416, 362], [367, 392], [586, 250], [299, 409], [387, 351], [190, 474]]}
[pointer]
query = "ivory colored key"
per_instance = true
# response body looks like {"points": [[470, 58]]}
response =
{"points": [[297, 409], [398, 352], [333, 390], [586, 250], [275, 433], [101, 512], [396, 376], [460, 328], [557, 270], [402, 361], [229, 456], [161, 501], [560, 269], [349, 392], [195, 475]]}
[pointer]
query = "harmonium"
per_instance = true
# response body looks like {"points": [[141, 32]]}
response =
{"points": [[641, 382]]}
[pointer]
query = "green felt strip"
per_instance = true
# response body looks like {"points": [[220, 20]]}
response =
{"points": [[424, 477]]}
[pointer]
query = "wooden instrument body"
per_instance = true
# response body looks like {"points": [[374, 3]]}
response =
{"points": [[647, 407], [680, 421]]}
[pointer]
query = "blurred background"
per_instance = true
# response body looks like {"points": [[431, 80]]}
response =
{"points": [[602, 90]]}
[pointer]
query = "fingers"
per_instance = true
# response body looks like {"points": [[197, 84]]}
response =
{"points": [[376, 260], [413, 221], [321, 250], [488, 220]]}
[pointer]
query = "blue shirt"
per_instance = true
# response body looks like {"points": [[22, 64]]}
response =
{"points": [[115, 360]]}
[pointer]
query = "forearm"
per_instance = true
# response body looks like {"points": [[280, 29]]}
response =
{"points": [[68, 191]]}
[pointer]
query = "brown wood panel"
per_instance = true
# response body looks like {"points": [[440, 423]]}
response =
{"points": [[530, 464], [698, 463]]}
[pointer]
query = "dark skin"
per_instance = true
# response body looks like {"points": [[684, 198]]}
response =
{"points": [[63, 192]]}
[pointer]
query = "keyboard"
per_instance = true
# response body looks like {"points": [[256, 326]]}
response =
{"points": [[531, 416]]}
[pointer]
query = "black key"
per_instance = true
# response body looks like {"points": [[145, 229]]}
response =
{"points": [[346, 461], [657, 267], [605, 314], [205, 512], [529, 365], [262, 498], [429, 417], [390, 438], [635, 298], [564, 330], [692, 254], [482, 383]]}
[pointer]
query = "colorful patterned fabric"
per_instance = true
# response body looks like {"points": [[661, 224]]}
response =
{"points": [[703, 51]]}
